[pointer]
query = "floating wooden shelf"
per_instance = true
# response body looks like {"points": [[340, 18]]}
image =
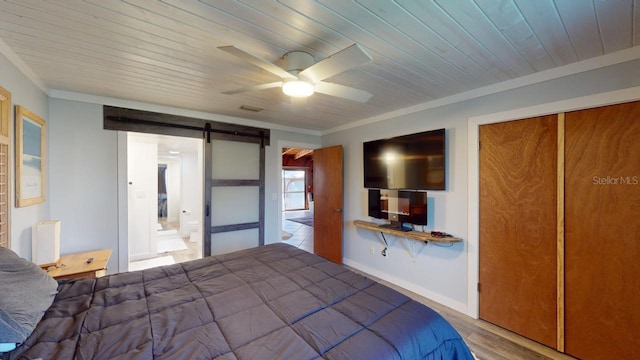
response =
{"points": [[416, 235], [422, 237]]}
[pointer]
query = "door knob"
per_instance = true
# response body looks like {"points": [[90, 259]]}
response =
{"points": [[337, 211]]}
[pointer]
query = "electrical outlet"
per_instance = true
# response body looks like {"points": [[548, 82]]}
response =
{"points": [[372, 250]]}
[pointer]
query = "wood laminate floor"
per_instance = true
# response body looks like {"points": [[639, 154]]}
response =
{"points": [[487, 341]]}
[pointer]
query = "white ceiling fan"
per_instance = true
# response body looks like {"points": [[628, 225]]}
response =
{"points": [[301, 76]]}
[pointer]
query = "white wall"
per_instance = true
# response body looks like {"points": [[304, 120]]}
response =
{"points": [[439, 272], [191, 190], [447, 274], [24, 92], [83, 173]]}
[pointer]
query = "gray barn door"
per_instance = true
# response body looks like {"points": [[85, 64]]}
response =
{"points": [[234, 195]]}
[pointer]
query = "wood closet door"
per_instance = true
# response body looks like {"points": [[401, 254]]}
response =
{"points": [[602, 239], [518, 176]]}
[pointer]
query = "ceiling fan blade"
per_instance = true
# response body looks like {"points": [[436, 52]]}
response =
{"points": [[252, 59], [254, 88], [342, 91], [343, 60]]}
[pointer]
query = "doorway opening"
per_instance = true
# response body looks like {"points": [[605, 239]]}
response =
{"points": [[164, 199], [297, 197]]}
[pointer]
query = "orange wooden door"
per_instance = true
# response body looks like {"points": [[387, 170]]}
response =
{"points": [[518, 176], [602, 239], [327, 215]]}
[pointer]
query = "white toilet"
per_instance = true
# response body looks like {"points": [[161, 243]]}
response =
{"points": [[193, 227]]}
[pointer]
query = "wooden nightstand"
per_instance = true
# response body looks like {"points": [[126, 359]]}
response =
{"points": [[75, 266]]}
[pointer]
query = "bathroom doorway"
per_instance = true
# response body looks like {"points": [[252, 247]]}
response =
{"points": [[164, 199]]}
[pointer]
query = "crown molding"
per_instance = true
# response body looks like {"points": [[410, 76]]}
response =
{"points": [[617, 57]]}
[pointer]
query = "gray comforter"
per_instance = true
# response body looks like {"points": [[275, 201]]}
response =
{"points": [[270, 302]]}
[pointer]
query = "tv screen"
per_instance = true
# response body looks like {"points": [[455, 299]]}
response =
{"points": [[415, 161], [398, 206]]}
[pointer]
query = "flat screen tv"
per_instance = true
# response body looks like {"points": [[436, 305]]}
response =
{"points": [[398, 206], [415, 161]]}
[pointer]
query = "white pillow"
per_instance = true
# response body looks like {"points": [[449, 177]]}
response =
{"points": [[27, 292]]}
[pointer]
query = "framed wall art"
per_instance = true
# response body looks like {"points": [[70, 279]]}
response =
{"points": [[5, 169], [30, 157]]}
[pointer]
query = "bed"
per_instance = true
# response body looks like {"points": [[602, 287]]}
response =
{"points": [[271, 302]]}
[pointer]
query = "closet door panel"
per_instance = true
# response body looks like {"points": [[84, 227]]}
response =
{"points": [[518, 177], [602, 232]]}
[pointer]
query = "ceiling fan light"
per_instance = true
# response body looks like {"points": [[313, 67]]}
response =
{"points": [[297, 88]]}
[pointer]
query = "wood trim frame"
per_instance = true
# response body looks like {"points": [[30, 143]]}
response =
{"points": [[560, 235], [24, 116], [5, 168], [5, 113]]}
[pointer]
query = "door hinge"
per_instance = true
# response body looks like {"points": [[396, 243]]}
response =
{"points": [[478, 287]]}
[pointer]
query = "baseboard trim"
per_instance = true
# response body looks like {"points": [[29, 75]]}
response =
{"points": [[443, 300]]}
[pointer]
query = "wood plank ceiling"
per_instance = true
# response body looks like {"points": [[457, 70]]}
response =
{"points": [[165, 52], [297, 153]]}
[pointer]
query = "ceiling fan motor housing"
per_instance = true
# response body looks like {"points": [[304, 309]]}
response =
{"points": [[296, 61]]}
